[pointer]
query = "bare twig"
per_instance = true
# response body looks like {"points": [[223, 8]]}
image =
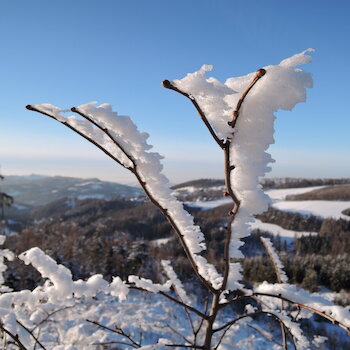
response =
{"points": [[184, 346], [260, 73], [177, 333], [169, 85], [119, 331], [267, 336], [14, 337], [143, 184], [106, 131], [225, 145], [115, 342], [31, 334], [49, 315], [189, 307], [206, 306], [298, 305], [279, 280], [261, 312], [34, 109], [309, 308]]}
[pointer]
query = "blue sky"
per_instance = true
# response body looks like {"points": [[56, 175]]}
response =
{"points": [[72, 52]]}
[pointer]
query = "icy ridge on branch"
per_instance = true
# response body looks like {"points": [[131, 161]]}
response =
{"points": [[134, 152], [281, 275], [175, 281], [282, 87], [301, 296], [8, 255], [62, 285]]}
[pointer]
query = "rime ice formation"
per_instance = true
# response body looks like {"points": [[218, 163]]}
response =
{"points": [[282, 87], [281, 275], [133, 152]]}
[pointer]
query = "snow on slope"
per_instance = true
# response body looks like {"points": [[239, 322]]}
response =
{"points": [[210, 204], [278, 230], [324, 209], [282, 193]]}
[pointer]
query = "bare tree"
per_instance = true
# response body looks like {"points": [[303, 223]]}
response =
{"points": [[205, 321]]}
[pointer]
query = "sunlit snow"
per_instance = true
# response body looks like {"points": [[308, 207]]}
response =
{"points": [[324, 209]]}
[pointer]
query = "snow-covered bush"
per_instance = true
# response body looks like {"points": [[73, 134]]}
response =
{"points": [[138, 313]]}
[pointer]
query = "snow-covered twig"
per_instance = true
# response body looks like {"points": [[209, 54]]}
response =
{"points": [[189, 235]]}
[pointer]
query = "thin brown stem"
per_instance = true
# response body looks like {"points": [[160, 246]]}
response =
{"points": [[184, 346], [149, 194], [298, 305], [189, 307], [14, 337], [119, 331], [309, 308], [139, 178], [114, 342], [178, 333], [169, 85], [227, 326], [49, 315], [32, 108], [31, 334], [210, 321], [104, 130], [233, 212], [177, 231], [267, 336], [279, 280], [206, 306], [260, 73]]}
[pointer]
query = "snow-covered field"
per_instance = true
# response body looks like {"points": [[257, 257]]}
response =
{"points": [[282, 193], [324, 209], [321, 208], [278, 230]]}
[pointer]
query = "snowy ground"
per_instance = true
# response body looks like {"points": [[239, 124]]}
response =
{"points": [[282, 193], [278, 230], [323, 209]]}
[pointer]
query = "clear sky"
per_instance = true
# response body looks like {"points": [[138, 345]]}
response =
{"points": [[118, 51]]}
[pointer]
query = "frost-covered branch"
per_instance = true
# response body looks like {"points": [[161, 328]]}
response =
{"points": [[14, 337], [239, 115], [281, 275], [278, 266], [332, 308], [31, 334], [169, 85], [226, 326], [120, 139], [120, 331], [246, 138], [341, 316]]}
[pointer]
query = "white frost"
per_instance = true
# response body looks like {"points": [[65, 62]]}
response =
{"points": [[281, 275], [282, 87]]}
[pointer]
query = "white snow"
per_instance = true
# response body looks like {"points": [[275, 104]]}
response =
{"points": [[278, 230], [130, 147], [282, 87], [281, 275], [92, 196], [160, 241], [324, 209], [210, 204], [282, 193]]}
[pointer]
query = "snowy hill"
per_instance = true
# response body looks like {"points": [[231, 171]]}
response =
{"points": [[37, 190]]}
